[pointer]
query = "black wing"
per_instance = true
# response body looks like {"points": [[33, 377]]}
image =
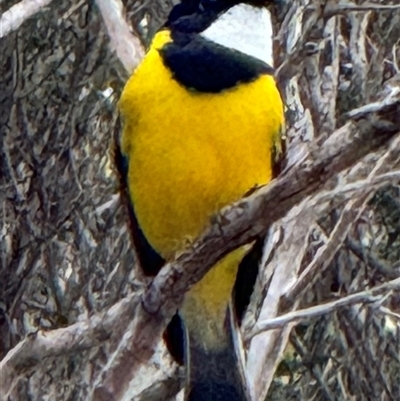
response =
{"points": [[150, 261]]}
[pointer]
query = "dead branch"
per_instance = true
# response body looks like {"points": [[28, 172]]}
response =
{"points": [[126, 45], [372, 295], [77, 337], [251, 216], [13, 18]]}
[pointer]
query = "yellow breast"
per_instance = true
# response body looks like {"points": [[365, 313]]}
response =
{"points": [[192, 153]]}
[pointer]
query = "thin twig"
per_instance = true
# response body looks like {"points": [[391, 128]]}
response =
{"points": [[371, 295]]}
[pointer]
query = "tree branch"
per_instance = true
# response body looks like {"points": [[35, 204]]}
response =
{"points": [[16, 15], [31, 351], [126, 45], [371, 295], [250, 217]]}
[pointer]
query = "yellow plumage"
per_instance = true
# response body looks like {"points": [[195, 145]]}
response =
{"points": [[190, 154]]}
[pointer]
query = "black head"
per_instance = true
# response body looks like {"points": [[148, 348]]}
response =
{"points": [[193, 16]]}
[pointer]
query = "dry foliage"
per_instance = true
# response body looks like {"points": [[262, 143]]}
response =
{"points": [[76, 320]]}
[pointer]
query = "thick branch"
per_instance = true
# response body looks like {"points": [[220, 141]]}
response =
{"points": [[77, 337], [250, 217]]}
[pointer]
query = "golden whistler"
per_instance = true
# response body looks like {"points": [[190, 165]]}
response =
{"points": [[201, 127]]}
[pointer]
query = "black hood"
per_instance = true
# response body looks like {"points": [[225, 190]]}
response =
{"points": [[194, 16]]}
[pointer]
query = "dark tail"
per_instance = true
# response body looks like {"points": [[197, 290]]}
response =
{"points": [[215, 374], [213, 360]]}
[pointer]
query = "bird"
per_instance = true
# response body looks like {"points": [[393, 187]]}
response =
{"points": [[202, 122]]}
